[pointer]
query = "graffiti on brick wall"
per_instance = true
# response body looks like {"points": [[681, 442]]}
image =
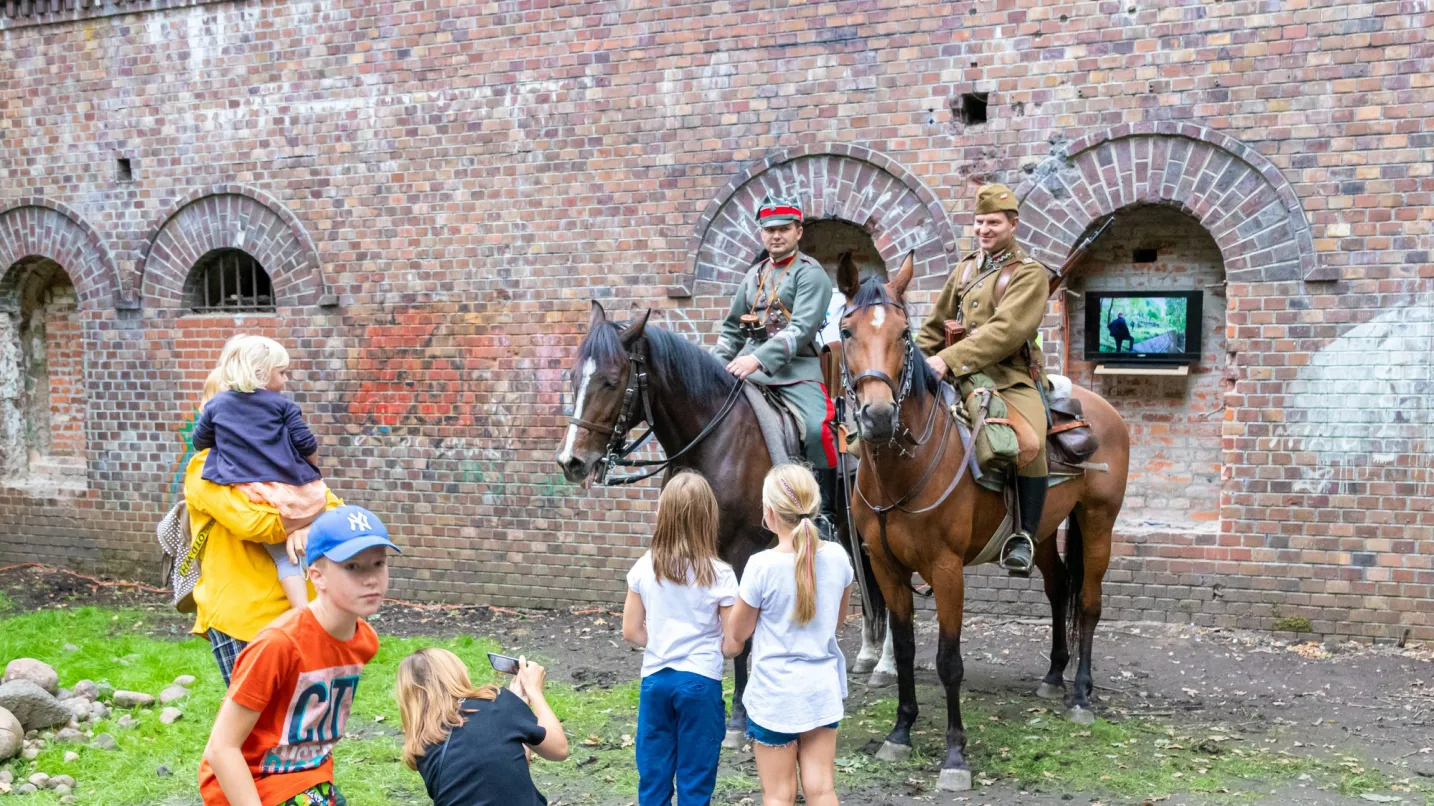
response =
{"points": [[451, 384], [1362, 410], [185, 434]]}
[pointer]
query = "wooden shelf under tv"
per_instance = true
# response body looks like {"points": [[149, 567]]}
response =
{"points": [[1154, 369]]}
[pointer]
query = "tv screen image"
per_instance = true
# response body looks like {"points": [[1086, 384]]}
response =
{"points": [[1151, 325], [1143, 326]]}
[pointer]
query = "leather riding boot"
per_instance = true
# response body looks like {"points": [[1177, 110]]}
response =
{"points": [[1017, 556], [827, 482]]}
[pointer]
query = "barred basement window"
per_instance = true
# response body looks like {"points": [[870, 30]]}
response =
{"points": [[229, 280]]}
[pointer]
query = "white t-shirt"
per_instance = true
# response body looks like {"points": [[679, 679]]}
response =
{"points": [[798, 673], [684, 623]]}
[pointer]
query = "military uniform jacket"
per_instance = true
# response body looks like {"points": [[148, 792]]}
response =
{"points": [[791, 355], [995, 333]]}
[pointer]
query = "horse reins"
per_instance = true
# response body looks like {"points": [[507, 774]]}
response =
{"points": [[628, 418], [908, 371]]}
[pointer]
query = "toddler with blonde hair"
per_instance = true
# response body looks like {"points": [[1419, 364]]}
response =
{"points": [[258, 442]]}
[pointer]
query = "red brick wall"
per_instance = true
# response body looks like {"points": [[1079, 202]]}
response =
{"points": [[460, 178], [65, 374]]}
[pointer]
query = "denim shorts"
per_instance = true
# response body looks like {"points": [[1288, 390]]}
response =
{"points": [[772, 738]]}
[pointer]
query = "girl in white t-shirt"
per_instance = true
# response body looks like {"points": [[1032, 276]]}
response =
{"points": [[794, 597], [679, 596]]}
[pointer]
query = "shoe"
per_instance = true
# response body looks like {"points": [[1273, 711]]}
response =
{"points": [[827, 483], [1017, 554]]}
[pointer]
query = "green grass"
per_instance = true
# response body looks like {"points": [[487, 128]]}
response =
{"points": [[1015, 742]]}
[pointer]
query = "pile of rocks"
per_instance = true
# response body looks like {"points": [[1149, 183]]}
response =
{"points": [[35, 711]]}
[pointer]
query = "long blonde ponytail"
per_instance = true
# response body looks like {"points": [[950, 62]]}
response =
{"points": [[791, 492]]}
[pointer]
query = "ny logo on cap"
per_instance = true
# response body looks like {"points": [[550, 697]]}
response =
{"points": [[357, 521]]}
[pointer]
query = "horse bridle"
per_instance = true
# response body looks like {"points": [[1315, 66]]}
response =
{"points": [[618, 449], [908, 371]]}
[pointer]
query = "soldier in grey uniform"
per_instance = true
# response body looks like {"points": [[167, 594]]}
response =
{"points": [[770, 334]]}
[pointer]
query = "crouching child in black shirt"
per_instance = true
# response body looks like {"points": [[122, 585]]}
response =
{"points": [[471, 744]]}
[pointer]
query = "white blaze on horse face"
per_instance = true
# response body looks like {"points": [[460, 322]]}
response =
{"points": [[878, 317], [589, 367]]}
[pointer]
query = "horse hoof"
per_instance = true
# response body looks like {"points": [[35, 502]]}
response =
{"points": [[954, 781], [1081, 716], [1046, 691], [900, 752], [880, 679], [733, 740], [864, 665]]}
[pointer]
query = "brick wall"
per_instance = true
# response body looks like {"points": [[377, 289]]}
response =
{"points": [[438, 188]]}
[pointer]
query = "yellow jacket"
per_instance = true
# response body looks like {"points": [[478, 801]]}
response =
{"points": [[994, 333], [238, 592]]}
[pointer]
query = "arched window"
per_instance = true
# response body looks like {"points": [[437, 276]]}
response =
{"points": [[229, 280]]}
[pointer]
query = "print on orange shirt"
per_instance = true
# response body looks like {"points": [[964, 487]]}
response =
{"points": [[315, 720]]}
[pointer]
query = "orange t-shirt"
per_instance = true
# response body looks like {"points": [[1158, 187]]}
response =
{"points": [[302, 682]]}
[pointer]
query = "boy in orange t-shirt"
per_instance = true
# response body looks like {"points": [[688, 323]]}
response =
{"points": [[289, 700]]}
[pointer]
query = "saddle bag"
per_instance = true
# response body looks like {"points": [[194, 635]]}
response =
{"points": [[1004, 441], [1071, 440]]}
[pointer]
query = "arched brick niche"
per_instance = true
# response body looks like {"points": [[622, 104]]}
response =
{"points": [[231, 217], [1237, 195], [42, 228], [832, 181]]}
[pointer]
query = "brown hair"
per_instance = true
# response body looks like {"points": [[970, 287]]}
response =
{"points": [[684, 544], [431, 684], [791, 492]]}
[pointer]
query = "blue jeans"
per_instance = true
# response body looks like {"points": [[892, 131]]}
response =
{"points": [[680, 727]]}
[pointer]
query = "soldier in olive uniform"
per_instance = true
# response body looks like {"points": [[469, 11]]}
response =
{"points": [[784, 300], [999, 293]]}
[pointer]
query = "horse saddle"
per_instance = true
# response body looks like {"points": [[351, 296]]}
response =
{"points": [[781, 424]]}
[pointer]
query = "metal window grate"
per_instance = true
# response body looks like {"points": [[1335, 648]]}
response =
{"points": [[230, 280]]}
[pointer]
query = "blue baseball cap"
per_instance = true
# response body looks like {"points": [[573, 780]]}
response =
{"points": [[344, 531]]}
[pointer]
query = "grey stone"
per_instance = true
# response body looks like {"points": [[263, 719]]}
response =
{"points": [[62, 789], [87, 689], [132, 699], [32, 705], [107, 691], [163, 771], [70, 736], [171, 715], [7, 777], [104, 741], [27, 789], [79, 708], [39, 779], [99, 710], [12, 736], [126, 721], [63, 694], [70, 648], [68, 799], [173, 693], [30, 753], [61, 780], [37, 672], [185, 680], [71, 756]]}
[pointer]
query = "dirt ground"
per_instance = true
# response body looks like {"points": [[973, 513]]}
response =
{"points": [[1374, 704]]}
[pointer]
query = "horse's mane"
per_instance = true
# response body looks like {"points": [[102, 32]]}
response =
{"points": [[672, 356], [873, 292]]}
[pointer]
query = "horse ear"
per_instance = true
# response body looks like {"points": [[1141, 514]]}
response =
{"points": [[848, 276], [632, 331], [898, 284], [599, 316]]}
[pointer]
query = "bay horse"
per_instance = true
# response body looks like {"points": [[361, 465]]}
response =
{"points": [[918, 510], [628, 373]]}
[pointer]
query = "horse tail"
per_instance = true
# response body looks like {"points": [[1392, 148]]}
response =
{"points": [[1075, 577]]}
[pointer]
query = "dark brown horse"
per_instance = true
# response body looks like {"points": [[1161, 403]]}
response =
{"points": [[633, 372], [937, 519]]}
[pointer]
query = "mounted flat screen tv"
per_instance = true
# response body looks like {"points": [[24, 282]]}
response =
{"points": [[1143, 327]]}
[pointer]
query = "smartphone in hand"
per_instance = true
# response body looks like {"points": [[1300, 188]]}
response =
{"points": [[503, 663]]}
